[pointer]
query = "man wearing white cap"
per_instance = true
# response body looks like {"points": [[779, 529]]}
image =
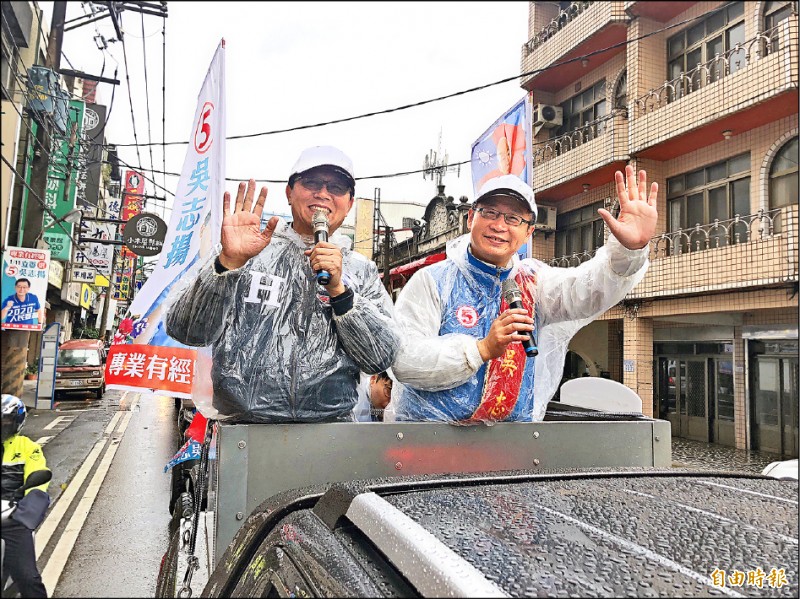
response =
{"points": [[463, 358], [288, 345]]}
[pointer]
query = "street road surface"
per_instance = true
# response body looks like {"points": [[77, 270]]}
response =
{"points": [[106, 531]]}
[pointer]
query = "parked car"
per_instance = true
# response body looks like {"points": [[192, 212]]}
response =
{"points": [[784, 470], [80, 367]]}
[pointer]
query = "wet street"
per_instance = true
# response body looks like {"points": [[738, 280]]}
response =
{"points": [[709, 456]]}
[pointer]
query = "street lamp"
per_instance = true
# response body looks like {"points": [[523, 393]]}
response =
{"points": [[74, 216]]}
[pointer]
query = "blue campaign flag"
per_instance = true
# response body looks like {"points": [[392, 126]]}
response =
{"points": [[504, 148], [189, 451]]}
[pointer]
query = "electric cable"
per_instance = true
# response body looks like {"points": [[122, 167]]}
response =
{"points": [[52, 214], [465, 91]]}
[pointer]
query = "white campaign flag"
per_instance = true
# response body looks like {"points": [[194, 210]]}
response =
{"points": [[199, 191], [142, 355]]}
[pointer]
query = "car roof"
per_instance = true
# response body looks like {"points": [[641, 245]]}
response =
{"points": [[82, 344], [589, 533]]}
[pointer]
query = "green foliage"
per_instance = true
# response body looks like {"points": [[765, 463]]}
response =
{"points": [[32, 369], [85, 333]]}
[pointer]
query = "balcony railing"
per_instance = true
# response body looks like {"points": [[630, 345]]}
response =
{"points": [[745, 251], [719, 67], [556, 24], [557, 146], [738, 229]]}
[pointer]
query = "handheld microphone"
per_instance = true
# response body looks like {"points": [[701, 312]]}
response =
{"points": [[320, 224], [513, 297]]}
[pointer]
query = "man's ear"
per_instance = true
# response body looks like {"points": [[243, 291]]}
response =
{"points": [[470, 218], [289, 194]]}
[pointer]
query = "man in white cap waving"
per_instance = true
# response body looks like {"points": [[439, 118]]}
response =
{"points": [[288, 343], [485, 333]]}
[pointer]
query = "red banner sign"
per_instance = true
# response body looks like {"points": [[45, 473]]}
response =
{"points": [[132, 203], [151, 367]]}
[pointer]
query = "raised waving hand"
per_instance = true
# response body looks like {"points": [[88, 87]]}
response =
{"points": [[636, 223], [242, 237]]}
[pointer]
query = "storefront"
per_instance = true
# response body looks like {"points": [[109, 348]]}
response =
{"points": [[773, 382], [695, 391]]}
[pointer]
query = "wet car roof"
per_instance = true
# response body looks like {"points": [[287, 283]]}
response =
{"points": [[654, 533]]}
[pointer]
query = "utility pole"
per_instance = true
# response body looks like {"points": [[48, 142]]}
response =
{"points": [[387, 231], [14, 343]]}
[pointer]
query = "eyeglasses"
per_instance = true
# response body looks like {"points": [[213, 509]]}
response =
{"points": [[511, 219], [315, 184]]}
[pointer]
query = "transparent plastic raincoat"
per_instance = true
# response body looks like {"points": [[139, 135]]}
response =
{"points": [[280, 353], [447, 307]]}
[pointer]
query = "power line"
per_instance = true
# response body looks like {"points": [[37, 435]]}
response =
{"points": [[147, 99], [465, 91], [52, 214]]}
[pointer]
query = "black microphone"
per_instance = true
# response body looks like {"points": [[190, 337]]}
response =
{"points": [[513, 297], [320, 224]]}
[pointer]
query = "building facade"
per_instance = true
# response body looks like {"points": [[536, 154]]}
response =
{"points": [[53, 155], [704, 97]]}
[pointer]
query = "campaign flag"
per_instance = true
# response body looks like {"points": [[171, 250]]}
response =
{"points": [[504, 148], [196, 217], [189, 451]]}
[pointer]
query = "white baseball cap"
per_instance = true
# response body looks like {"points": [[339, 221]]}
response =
{"points": [[324, 156], [509, 185]]}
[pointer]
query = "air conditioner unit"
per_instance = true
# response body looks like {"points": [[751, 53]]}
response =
{"points": [[546, 218], [547, 117]]}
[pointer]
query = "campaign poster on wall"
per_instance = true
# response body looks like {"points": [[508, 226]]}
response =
{"points": [[24, 288]]}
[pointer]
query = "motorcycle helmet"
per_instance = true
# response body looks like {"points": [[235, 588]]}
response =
{"points": [[13, 416]]}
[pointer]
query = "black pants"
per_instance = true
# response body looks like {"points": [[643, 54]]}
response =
{"points": [[19, 559]]}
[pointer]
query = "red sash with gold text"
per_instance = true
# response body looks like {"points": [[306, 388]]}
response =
{"points": [[504, 374]]}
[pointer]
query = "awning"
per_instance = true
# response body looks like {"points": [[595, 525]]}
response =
{"points": [[406, 270]]}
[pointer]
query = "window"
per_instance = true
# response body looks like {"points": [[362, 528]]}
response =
{"points": [[621, 92], [776, 11], [716, 192], [700, 43], [584, 108], [7, 68], [579, 231], [783, 179]]}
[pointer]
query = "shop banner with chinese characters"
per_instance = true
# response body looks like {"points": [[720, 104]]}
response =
{"points": [[132, 203], [505, 149], [57, 196], [196, 215], [24, 287]]}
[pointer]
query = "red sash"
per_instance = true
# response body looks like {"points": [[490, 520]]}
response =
{"points": [[504, 374]]}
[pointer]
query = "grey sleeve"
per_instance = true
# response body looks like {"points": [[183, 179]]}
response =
{"points": [[368, 331], [198, 315]]}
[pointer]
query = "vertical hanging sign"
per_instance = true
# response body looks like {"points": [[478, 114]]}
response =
{"points": [[63, 166]]}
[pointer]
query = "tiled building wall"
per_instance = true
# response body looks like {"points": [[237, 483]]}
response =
{"points": [[553, 170], [777, 316], [638, 359], [739, 390], [543, 245], [615, 349], [724, 268], [757, 141], [646, 58], [734, 302], [591, 20], [539, 15], [654, 120]]}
